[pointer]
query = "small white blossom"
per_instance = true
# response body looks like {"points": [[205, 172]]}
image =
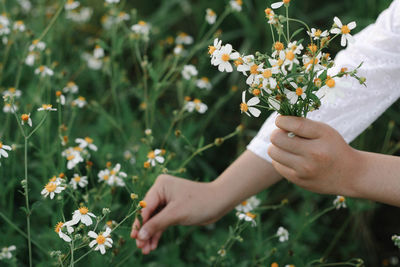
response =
{"points": [[222, 56], [80, 102], [44, 71], [248, 107], [283, 234], [204, 83], [184, 38], [293, 96], [102, 240], [71, 4], [112, 1], [211, 17], [78, 180], [344, 30], [98, 52], [142, 28], [47, 107], [3, 152], [71, 88], [155, 156], [236, 5], [19, 26], [26, 118], [189, 71], [5, 252], [317, 34], [82, 215], [339, 202], [37, 45], [86, 142], [197, 105], [248, 217], [248, 205], [52, 188], [69, 229]]}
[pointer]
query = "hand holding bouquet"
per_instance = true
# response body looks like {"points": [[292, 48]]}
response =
{"points": [[293, 78]]}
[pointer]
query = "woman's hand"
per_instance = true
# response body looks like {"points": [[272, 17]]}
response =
{"points": [[317, 158], [171, 201]]}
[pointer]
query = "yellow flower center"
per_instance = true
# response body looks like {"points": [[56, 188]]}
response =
{"points": [[142, 204], [142, 23], [279, 46], [239, 2], [146, 165], [267, 11], [280, 62], [83, 210], [290, 55], [51, 187], [211, 49], [318, 33], [81, 98], [58, 227], [256, 92], [1, 145], [70, 2], [112, 172], [267, 74], [299, 91], [106, 177], [109, 223], [53, 179], [71, 84], [341, 199], [313, 48], [244, 203], [345, 29], [286, 1], [251, 215], [25, 117], [77, 179], [89, 140], [35, 42], [41, 68], [47, 106], [211, 12], [205, 79], [71, 157], [244, 107], [151, 155], [77, 148], [58, 93], [317, 82], [225, 57], [100, 239], [253, 69], [330, 83], [274, 264]]}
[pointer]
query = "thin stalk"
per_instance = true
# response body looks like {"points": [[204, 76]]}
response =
{"points": [[26, 189]]}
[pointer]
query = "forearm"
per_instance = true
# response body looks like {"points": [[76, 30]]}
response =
{"points": [[246, 176], [378, 178]]}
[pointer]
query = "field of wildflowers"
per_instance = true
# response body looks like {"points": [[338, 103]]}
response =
{"points": [[101, 97]]}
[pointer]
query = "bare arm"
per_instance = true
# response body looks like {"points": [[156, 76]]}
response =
{"points": [[192, 203]]}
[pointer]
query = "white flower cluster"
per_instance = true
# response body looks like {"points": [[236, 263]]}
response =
{"points": [[244, 210], [113, 176], [5, 252], [77, 154], [95, 60], [282, 234]]}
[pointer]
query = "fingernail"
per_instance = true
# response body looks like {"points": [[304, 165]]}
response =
{"points": [[143, 235]]}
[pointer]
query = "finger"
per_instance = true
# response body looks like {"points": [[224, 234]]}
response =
{"points": [[299, 126], [153, 201], [154, 240], [283, 157], [146, 249], [159, 222], [296, 145], [285, 171], [141, 243], [135, 228]]}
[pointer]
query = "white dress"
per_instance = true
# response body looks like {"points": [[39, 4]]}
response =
{"points": [[378, 46]]}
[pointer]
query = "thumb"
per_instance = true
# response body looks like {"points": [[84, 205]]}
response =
{"points": [[158, 223]]}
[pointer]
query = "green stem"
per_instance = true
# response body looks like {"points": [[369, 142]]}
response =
{"points": [[28, 212]]}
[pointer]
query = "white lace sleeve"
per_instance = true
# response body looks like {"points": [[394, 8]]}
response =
{"points": [[378, 46]]}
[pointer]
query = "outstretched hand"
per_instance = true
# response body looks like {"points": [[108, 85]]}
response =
{"points": [[316, 157], [172, 201]]}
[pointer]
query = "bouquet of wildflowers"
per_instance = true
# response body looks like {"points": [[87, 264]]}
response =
{"points": [[293, 78]]}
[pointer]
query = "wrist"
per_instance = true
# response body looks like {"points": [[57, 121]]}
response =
{"points": [[358, 166]]}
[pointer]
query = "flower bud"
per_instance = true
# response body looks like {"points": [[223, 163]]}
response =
{"points": [[106, 211], [218, 141]]}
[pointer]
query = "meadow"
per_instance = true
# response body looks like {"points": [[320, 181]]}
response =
{"points": [[101, 97]]}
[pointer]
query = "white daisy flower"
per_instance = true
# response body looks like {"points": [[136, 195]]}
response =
{"points": [[71, 4], [155, 156], [5, 252], [104, 176], [92, 62], [267, 80], [211, 16], [296, 48], [86, 142], [313, 62], [215, 47], [248, 205], [116, 176], [19, 26], [178, 50], [78, 180], [3, 149], [248, 217], [222, 57], [44, 71], [30, 59], [122, 16], [52, 188], [80, 102], [69, 229], [279, 4], [82, 215], [283, 234], [73, 156], [317, 34], [58, 179], [339, 202], [98, 52], [279, 62], [12, 92], [25, 4], [249, 65], [71, 88], [112, 1], [204, 83], [197, 105], [189, 71], [81, 16], [26, 118], [4, 31], [102, 240], [47, 107], [290, 59], [248, 107], [184, 38], [37, 45], [4, 20], [330, 92], [60, 98], [344, 30], [8, 108], [293, 96], [236, 5], [141, 27]]}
